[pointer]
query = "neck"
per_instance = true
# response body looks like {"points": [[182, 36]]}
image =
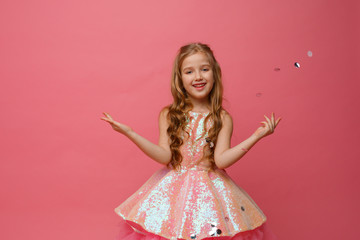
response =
{"points": [[200, 106]]}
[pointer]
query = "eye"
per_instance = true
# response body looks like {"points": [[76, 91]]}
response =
{"points": [[205, 69], [188, 72]]}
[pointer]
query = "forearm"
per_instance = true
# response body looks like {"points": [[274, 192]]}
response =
{"points": [[152, 150], [232, 155]]}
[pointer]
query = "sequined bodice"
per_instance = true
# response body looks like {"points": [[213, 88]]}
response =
{"points": [[192, 149]]}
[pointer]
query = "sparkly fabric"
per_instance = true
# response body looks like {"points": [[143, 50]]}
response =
{"points": [[193, 203]]}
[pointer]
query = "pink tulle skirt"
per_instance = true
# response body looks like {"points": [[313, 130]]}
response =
{"points": [[126, 232]]}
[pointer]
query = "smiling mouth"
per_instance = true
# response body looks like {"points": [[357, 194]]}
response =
{"points": [[199, 85]]}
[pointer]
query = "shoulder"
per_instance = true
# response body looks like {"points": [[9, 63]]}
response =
{"points": [[226, 117], [164, 111], [163, 115]]}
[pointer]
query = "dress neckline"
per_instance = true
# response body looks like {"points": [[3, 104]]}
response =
{"points": [[199, 112]]}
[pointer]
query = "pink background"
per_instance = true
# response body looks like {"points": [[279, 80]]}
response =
{"points": [[63, 63]]}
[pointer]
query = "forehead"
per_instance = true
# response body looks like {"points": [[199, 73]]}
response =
{"points": [[196, 59]]}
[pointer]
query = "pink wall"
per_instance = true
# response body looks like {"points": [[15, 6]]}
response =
{"points": [[63, 63]]}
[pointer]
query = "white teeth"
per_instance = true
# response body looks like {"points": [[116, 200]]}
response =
{"points": [[199, 85]]}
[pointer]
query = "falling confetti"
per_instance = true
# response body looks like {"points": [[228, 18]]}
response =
{"points": [[297, 64], [309, 53]]}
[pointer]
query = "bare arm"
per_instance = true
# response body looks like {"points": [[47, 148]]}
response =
{"points": [[160, 153], [226, 156]]}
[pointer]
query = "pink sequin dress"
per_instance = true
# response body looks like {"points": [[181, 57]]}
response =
{"points": [[193, 203]]}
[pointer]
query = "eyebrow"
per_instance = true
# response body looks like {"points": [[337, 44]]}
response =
{"points": [[204, 64]]}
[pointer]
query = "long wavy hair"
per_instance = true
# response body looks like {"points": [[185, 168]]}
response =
{"points": [[179, 110]]}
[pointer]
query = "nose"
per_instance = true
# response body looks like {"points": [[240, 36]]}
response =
{"points": [[198, 76]]}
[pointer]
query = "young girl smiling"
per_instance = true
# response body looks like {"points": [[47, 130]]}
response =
{"points": [[192, 196]]}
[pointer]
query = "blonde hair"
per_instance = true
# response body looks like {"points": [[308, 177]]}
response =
{"points": [[178, 110]]}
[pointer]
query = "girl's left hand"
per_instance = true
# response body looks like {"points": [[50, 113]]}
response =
{"points": [[268, 128]]}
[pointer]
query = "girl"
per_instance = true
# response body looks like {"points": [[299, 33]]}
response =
{"points": [[192, 196]]}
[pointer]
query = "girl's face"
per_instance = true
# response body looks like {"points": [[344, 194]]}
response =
{"points": [[197, 77]]}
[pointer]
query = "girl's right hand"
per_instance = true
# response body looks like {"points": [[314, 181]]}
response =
{"points": [[119, 127]]}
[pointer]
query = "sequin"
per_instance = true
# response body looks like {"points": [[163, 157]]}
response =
{"points": [[212, 232], [218, 231], [181, 204], [242, 208], [193, 236]]}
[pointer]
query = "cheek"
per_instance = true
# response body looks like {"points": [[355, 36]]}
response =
{"points": [[210, 76], [186, 80], [211, 85]]}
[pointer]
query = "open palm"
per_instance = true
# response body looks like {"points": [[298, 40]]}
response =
{"points": [[119, 127]]}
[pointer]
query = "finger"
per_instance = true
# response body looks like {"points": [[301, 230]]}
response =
{"points": [[108, 115], [271, 127], [271, 123], [277, 121], [105, 119], [267, 127], [108, 120], [105, 114], [266, 124]]}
